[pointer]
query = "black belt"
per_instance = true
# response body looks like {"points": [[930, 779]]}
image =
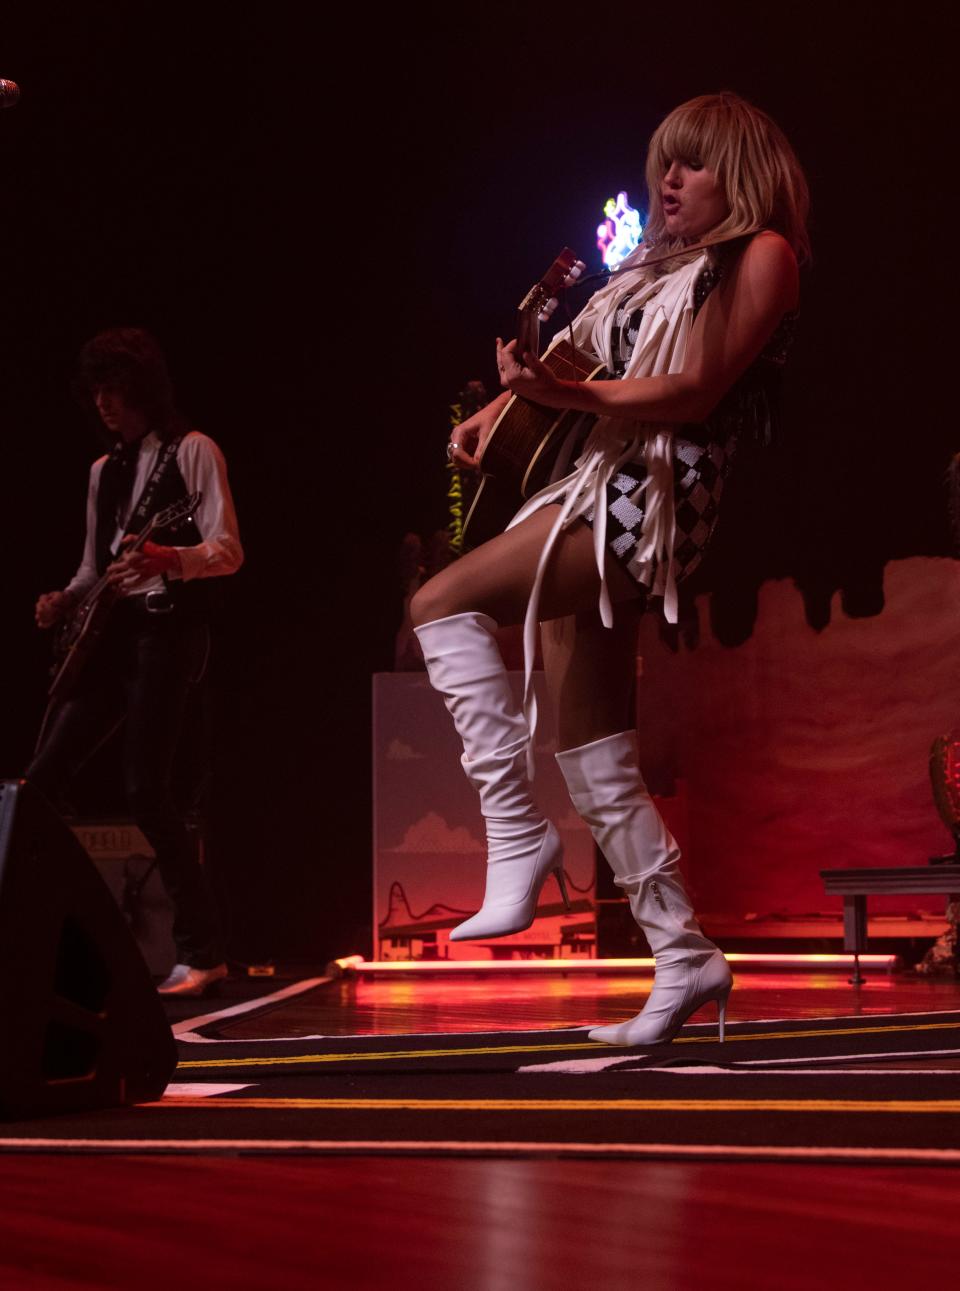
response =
{"points": [[157, 601]]}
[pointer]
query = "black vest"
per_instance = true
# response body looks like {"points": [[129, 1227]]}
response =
{"points": [[200, 594]]}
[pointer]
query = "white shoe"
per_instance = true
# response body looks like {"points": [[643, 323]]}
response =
{"points": [[678, 991], [513, 887], [523, 848], [186, 980], [607, 790]]}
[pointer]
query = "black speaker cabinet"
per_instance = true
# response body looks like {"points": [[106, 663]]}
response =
{"points": [[82, 1025]]}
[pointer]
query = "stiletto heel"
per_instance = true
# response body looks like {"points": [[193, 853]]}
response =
{"points": [[722, 1014], [562, 885]]}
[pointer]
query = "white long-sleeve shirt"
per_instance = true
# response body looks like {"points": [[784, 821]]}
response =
{"points": [[204, 470]]}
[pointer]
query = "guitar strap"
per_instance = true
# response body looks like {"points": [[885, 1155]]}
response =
{"points": [[141, 512], [697, 246]]}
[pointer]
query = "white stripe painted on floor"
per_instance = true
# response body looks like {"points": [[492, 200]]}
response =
{"points": [[587, 1066], [576, 1066], [585, 1069], [185, 1030], [843, 1017], [196, 1089], [893, 1054]]}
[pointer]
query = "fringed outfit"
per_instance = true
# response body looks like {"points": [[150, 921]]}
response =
{"points": [[651, 491]]}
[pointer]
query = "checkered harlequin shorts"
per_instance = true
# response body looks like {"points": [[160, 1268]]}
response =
{"points": [[699, 474]]}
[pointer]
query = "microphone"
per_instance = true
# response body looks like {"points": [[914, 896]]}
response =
{"points": [[9, 93]]}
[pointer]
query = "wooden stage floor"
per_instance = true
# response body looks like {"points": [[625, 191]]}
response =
{"points": [[529, 1001], [270, 1224]]}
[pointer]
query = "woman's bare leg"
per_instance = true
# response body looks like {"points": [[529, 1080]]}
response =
{"points": [[497, 578], [591, 673]]}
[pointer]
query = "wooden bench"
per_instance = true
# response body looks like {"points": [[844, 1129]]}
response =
{"points": [[855, 885]]}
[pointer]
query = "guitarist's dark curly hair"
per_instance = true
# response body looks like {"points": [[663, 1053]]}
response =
{"points": [[129, 360]]}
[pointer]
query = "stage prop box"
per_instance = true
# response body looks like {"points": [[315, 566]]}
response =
{"points": [[124, 859], [429, 852]]}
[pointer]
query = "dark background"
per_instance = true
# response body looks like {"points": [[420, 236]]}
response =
{"points": [[326, 217]]}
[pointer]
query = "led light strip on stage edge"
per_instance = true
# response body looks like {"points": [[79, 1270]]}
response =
{"points": [[357, 966]]}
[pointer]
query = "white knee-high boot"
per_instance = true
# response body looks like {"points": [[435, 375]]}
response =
{"points": [[608, 791], [464, 664]]}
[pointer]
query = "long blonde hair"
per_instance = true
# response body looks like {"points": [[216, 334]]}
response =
{"points": [[764, 184]]}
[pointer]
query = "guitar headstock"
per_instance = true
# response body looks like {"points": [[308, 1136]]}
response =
{"points": [[564, 272], [176, 512], [541, 300]]}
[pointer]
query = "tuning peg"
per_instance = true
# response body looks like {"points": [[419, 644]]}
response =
{"points": [[547, 310], [575, 272]]}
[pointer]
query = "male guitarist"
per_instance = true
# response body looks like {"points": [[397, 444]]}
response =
{"points": [[155, 641]]}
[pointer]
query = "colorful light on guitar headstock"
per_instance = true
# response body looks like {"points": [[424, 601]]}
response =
{"points": [[620, 232]]}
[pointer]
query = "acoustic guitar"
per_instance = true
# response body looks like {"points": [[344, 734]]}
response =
{"points": [[77, 641], [520, 453]]}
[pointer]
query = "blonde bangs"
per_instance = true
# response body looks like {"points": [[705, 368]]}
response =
{"points": [[764, 184], [692, 133]]}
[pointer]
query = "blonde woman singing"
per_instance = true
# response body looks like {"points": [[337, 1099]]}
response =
{"points": [[696, 325]]}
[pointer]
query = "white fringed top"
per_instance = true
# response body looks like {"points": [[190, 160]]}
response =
{"points": [[668, 312]]}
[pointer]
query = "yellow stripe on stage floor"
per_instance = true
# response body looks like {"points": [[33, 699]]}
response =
{"points": [[592, 1045], [948, 1106]]}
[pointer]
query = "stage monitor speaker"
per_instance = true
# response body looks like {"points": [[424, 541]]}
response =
{"points": [[82, 1025]]}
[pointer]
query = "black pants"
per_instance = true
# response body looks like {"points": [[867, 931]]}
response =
{"points": [[142, 675]]}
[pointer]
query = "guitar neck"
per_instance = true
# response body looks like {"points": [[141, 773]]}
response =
{"points": [[528, 333], [541, 300], [143, 535], [103, 582]]}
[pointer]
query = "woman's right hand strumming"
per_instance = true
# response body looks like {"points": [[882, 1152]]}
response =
{"points": [[468, 438], [52, 607]]}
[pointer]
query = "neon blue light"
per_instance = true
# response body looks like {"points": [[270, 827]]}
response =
{"points": [[620, 232]]}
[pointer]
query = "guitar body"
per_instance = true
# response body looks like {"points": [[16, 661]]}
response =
{"points": [[81, 635], [518, 458], [79, 641]]}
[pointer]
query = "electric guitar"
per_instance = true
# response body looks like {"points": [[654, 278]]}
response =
{"points": [[80, 636], [519, 454]]}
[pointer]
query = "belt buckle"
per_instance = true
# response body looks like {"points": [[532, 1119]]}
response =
{"points": [[157, 602]]}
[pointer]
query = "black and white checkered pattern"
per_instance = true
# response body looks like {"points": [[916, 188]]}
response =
{"points": [[699, 469], [699, 474]]}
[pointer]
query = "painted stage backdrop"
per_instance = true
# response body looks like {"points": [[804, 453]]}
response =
{"points": [[429, 853], [806, 750], [794, 752]]}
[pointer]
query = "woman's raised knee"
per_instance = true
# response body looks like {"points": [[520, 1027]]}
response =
{"points": [[429, 603]]}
